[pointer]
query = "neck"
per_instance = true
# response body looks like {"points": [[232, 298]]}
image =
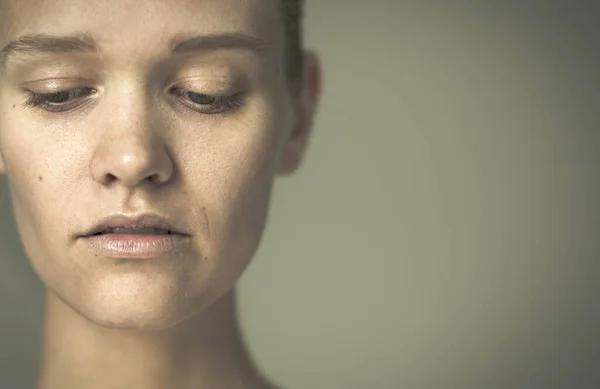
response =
{"points": [[204, 352]]}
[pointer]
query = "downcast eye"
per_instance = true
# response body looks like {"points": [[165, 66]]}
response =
{"points": [[59, 97], [200, 98], [208, 104], [57, 101]]}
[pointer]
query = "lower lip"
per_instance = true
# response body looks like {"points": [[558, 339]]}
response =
{"points": [[134, 245]]}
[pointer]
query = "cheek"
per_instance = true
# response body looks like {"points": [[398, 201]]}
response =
{"points": [[39, 207], [39, 174], [238, 216], [40, 187], [233, 178]]}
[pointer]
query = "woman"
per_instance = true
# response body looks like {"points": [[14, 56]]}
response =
{"points": [[140, 141]]}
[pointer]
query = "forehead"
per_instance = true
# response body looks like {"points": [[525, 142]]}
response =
{"points": [[131, 25]]}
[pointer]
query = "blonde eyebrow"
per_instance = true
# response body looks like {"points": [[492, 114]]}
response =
{"points": [[183, 44], [44, 43], [85, 43]]}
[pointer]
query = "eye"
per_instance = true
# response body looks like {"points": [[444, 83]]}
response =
{"points": [[207, 104], [57, 101], [198, 98]]}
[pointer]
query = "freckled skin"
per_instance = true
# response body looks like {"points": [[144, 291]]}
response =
{"points": [[213, 173], [216, 172]]}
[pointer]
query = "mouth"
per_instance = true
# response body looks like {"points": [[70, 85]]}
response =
{"points": [[121, 224], [144, 237], [133, 231], [135, 245]]}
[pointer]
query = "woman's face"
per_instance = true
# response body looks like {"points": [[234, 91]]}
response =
{"points": [[141, 132]]}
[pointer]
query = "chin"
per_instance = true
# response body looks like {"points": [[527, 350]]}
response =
{"points": [[137, 304], [140, 320]]}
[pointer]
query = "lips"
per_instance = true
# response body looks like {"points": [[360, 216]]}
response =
{"points": [[142, 231], [141, 236], [134, 224]]}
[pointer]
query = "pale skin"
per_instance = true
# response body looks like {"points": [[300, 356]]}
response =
{"points": [[124, 142]]}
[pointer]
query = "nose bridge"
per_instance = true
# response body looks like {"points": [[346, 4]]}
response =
{"points": [[131, 148]]}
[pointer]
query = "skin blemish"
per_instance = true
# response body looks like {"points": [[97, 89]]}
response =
{"points": [[14, 105], [40, 178], [206, 258]]}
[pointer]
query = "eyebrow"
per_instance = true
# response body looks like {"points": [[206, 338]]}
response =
{"points": [[85, 43]]}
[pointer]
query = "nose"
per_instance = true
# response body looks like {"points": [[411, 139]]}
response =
{"points": [[131, 153]]}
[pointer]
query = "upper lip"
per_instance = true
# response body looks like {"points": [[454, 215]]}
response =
{"points": [[137, 221]]}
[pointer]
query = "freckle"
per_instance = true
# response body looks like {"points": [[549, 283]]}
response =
{"points": [[40, 178], [14, 105], [205, 258]]}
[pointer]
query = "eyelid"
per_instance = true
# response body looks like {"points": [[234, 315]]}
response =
{"points": [[63, 79], [229, 102], [209, 85], [49, 86], [220, 104], [39, 100], [204, 77]]}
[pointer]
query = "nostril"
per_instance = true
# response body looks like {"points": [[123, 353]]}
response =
{"points": [[153, 178], [109, 178]]}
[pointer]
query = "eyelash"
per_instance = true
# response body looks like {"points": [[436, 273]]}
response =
{"points": [[215, 104]]}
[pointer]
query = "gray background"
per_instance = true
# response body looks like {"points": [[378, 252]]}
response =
{"points": [[445, 229]]}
